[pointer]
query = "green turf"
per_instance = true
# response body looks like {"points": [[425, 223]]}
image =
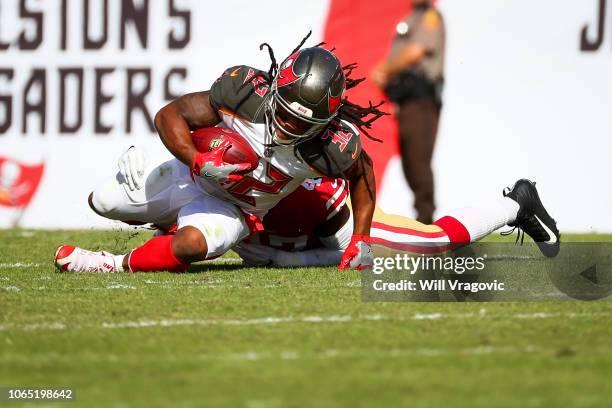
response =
{"points": [[228, 336]]}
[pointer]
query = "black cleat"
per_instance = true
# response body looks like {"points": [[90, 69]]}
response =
{"points": [[533, 218]]}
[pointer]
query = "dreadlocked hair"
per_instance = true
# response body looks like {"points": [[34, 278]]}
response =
{"points": [[361, 116], [274, 65]]}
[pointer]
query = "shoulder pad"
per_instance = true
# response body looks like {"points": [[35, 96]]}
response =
{"points": [[334, 152], [240, 91]]}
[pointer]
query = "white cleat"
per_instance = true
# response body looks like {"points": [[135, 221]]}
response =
{"points": [[69, 258]]}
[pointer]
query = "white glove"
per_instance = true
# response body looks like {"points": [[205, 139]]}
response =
{"points": [[132, 167]]}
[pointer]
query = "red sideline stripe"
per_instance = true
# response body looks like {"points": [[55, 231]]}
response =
{"points": [[409, 231], [455, 230], [414, 248]]}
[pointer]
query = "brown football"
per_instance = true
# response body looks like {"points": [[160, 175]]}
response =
{"points": [[207, 139]]}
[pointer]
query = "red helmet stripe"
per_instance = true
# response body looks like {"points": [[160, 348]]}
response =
{"points": [[286, 75], [334, 103]]}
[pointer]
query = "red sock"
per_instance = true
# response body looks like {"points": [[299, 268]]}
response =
{"points": [[456, 231], [155, 255]]}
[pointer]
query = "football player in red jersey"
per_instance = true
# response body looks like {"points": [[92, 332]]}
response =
{"points": [[311, 226], [321, 226], [298, 121]]}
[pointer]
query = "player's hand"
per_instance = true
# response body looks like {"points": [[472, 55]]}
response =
{"points": [[132, 167], [380, 75], [358, 255], [210, 165]]}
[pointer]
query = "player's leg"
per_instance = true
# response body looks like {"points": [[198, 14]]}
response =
{"points": [[158, 201], [407, 234], [533, 218], [465, 225], [520, 207], [169, 195], [207, 228], [165, 190]]}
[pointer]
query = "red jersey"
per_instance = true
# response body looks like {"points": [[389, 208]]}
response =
{"points": [[291, 224]]}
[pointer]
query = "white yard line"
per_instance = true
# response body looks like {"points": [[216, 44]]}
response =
{"points": [[275, 320], [226, 322], [395, 353], [293, 355], [119, 286], [45, 326], [18, 265]]}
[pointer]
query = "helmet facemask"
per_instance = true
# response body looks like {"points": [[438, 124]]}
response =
{"points": [[292, 119], [305, 95]]}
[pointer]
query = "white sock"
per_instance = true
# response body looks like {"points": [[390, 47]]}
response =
{"points": [[119, 262], [482, 220]]}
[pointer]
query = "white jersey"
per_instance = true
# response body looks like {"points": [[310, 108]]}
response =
{"points": [[275, 177], [239, 96]]}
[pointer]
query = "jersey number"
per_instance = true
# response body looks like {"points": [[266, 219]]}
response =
{"points": [[249, 184], [338, 137]]}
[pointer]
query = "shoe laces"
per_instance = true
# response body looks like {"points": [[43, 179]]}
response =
{"points": [[520, 235]]}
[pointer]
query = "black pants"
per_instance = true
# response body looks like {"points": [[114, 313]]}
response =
{"points": [[418, 126]]}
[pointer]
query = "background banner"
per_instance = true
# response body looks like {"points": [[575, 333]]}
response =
{"points": [[528, 92]]}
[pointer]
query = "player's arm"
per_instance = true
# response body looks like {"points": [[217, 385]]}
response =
{"points": [[362, 186], [363, 194], [175, 121]]}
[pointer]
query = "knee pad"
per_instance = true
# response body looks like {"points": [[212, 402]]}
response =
{"points": [[107, 198]]}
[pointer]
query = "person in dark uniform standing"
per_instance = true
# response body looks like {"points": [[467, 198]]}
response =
{"points": [[412, 77]]}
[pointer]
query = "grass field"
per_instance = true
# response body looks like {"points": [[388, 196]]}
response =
{"points": [[230, 336]]}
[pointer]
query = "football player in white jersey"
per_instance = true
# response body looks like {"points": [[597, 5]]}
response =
{"points": [[297, 120]]}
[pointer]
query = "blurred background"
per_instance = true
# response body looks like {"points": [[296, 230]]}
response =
{"points": [[528, 94]]}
